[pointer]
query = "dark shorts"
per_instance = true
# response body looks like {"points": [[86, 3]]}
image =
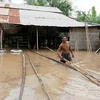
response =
{"points": [[66, 56]]}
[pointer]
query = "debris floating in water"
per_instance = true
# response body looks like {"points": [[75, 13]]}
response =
{"points": [[15, 51], [3, 51]]}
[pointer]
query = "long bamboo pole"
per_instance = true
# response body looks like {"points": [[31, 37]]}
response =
{"points": [[40, 80], [88, 76], [82, 71]]}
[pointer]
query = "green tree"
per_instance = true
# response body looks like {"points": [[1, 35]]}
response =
{"points": [[91, 16], [81, 15], [36, 2], [64, 5], [53, 3], [93, 12]]}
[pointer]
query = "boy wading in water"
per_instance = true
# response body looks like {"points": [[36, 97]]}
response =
{"points": [[65, 49]]}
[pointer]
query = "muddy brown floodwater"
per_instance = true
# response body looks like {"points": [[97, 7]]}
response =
{"points": [[62, 83]]}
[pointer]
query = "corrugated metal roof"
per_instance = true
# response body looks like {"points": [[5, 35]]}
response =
{"points": [[35, 15], [30, 7]]}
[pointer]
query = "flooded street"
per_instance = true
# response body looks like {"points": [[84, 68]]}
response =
{"points": [[61, 82]]}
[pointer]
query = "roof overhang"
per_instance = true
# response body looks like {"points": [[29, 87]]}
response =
{"points": [[36, 15]]}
